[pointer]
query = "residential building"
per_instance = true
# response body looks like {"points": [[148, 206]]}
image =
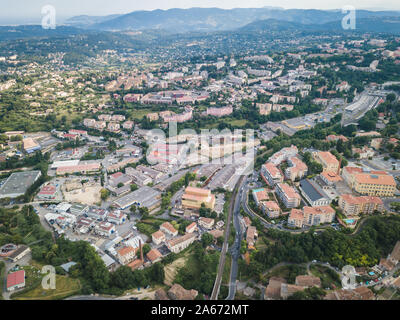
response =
{"points": [[154, 255], [158, 237], [126, 254], [168, 229], [207, 223], [296, 218], [251, 237], [260, 195], [297, 169], [353, 205], [191, 227], [271, 174], [328, 160], [272, 209], [314, 216], [288, 195], [176, 245]]}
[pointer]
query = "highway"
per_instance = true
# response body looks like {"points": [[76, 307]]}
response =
{"points": [[235, 249], [218, 280]]}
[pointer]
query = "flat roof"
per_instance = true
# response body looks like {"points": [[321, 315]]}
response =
{"points": [[18, 182], [143, 197], [311, 190]]}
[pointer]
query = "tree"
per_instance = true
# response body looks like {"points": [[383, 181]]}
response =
{"points": [[104, 194], [206, 240]]}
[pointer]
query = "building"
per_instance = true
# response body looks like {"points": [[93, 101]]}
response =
{"points": [[80, 168], [143, 197], [19, 253], [296, 218], [18, 183], [283, 155], [30, 145], [288, 195], [16, 280], [219, 112], [169, 229], [314, 216], [330, 178], [176, 245], [272, 209], [251, 237], [158, 237], [105, 229], [116, 217], [297, 169], [154, 255], [260, 195], [191, 227], [375, 185], [193, 198], [126, 255], [328, 160], [313, 193], [271, 174], [207, 223], [353, 205], [47, 192]]}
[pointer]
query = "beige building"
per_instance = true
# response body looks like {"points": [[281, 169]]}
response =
{"points": [[178, 244], [328, 160], [352, 205], [193, 198]]}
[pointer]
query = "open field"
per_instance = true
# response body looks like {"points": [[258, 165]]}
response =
{"points": [[88, 195], [65, 286], [172, 269]]}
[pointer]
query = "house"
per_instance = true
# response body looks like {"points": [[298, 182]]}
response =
{"points": [[154, 255], [289, 289], [169, 229], [158, 237], [16, 280], [273, 290], [207, 223], [191, 227], [251, 237], [126, 254], [296, 218]]}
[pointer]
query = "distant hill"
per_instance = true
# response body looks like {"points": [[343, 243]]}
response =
{"points": [[36, 31], [85, 21], [213, 19], [373, 24]]}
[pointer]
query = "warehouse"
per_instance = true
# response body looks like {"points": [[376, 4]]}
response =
{"points": [[18, 183]]}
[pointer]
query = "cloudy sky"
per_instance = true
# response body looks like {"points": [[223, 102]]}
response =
{"points": [[29, 11]]}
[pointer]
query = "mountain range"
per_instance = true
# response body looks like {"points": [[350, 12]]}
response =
{"points": [[215, 19]]}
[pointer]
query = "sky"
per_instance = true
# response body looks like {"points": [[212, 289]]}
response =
{"points": [[29, 11]]}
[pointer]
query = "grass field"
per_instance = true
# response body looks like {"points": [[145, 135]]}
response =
{"points": [[65, 286]]}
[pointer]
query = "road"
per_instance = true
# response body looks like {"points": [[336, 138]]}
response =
{"points": [[235, 249], [218, 280]]}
